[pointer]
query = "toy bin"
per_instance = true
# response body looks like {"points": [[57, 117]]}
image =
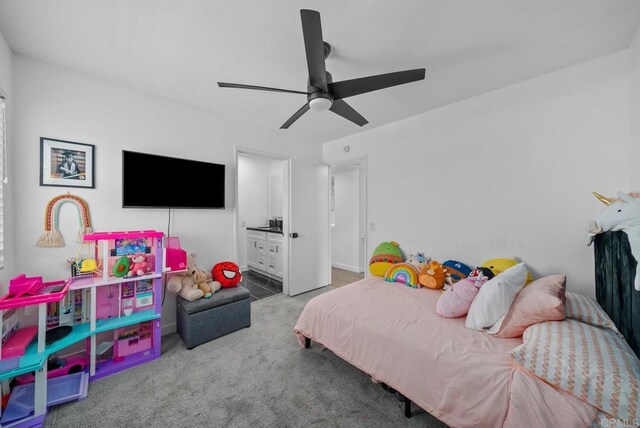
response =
{"points": [[226, 311], [175, 256]]}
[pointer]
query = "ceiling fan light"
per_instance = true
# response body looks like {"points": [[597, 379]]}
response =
{"points": [[320, 104]]}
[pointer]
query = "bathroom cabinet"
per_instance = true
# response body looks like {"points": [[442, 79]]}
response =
{"points": [[264, 252]]}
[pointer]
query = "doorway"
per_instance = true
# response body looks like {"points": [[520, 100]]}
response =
{"points": [[301, 259], [259, 219], [348, 219]]}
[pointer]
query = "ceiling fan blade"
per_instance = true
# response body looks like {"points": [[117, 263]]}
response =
{"points": [[314, 47], [349, 88], [295, 116], [259, 88], [345, 110]]}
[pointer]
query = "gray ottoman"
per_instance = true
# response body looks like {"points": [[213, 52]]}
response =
{"points": [[228, 310]]}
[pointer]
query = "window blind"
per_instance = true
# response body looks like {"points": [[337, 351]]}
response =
{"points": [[3, 176]]}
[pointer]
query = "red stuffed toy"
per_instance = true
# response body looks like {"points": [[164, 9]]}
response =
{"points": [[226, 273]]}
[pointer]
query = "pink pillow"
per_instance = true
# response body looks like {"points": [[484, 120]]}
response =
{"points": [[542, 300]]}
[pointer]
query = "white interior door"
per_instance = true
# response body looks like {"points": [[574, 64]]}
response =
{"points": [[307, 227]]}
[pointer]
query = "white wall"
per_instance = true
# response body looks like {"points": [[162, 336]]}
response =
{"points": [[6, 61], [634, 76], [345, 235], [507, 173], [276, 189], [58, 103]]}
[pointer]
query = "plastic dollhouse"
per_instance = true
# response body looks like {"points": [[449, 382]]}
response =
{"points": [[106, 319]]}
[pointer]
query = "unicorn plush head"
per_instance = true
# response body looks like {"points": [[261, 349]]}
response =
{"points": [[621, 213], [418, 260]]}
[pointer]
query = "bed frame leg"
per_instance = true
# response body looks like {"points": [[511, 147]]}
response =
{"points": [[407, 407], [307, 342]]}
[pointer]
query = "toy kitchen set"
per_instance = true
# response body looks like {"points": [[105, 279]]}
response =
{"points": [[104, 319]]}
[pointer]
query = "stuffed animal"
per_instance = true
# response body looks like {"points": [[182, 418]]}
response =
{"points": [[418, 260], [227, 274], [185, 285], [432, 275], [403, 273], [498, 266], [456, 301], [384, 256], [456, 271], [201, 281], [623, 214], [138, 265]]}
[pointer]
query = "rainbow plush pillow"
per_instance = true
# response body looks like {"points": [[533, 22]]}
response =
{"points": [[403, 273]]}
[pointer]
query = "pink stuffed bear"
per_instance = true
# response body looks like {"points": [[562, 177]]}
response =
{"points": [[456, 301], [139, 265]]}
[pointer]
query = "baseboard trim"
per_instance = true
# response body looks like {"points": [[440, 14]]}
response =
{"points": [[355, 269], [168, 329]]}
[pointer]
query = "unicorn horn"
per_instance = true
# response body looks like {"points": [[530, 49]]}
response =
{"points": [[603, 199]]}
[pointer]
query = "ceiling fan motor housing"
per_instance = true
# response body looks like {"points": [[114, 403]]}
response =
{"points": [[318, 99]]}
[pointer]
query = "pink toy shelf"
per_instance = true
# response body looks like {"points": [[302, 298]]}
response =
{"points": [[127, 301], [123, 255], [113, 310]]}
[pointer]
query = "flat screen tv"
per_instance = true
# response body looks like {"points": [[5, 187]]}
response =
{"points": [[152, 181]]}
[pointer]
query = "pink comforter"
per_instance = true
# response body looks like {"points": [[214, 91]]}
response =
{"points": [[464, 377]]}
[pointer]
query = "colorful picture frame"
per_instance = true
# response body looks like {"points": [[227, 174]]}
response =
{"points": [[66, 163]]}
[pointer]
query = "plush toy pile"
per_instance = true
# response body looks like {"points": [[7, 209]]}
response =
{"points": [[458, 281], [194, 283]]}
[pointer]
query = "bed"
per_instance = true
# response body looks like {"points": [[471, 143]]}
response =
{"points": [[463, 377]]}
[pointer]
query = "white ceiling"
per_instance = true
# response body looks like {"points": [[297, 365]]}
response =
{"points": [[180, 48]]}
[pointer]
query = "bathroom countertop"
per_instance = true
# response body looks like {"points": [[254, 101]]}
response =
{"points": [[266, 229]]}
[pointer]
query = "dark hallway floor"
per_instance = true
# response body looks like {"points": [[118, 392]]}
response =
{"points": [[260, 286]]}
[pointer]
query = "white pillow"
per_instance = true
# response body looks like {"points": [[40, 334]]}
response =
{"points": [[495, 297]]}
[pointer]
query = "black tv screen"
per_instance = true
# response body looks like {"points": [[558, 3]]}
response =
{"points": [[152, 181]]}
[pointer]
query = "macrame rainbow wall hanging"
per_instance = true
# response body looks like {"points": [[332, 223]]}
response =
{"points": [[52, 236]]}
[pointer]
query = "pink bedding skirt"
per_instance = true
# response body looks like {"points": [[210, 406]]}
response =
{"points": [[464, 377]]}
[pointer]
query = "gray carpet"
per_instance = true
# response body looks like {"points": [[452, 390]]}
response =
{"points": [[257, 376]]}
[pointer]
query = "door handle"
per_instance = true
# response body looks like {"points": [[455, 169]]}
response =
{"points": [[277, 248], [254, 244], [293, 235]]}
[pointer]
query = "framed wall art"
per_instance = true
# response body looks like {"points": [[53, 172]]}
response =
{"points": [[66, 164]]}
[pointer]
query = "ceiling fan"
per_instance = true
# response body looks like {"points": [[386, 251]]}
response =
{"points": [[322, 92]]}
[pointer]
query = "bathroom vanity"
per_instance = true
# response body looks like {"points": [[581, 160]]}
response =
{"points": [[264, 250]]}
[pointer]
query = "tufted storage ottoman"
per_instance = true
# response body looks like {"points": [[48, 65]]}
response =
{"points": [[228, 310]]}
